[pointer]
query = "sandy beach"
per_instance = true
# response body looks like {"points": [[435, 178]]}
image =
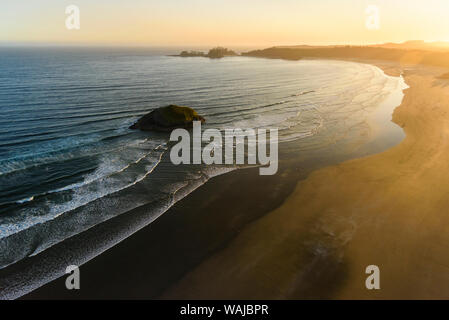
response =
{"points": [[190, 154], [301, 234], [388, 209]]}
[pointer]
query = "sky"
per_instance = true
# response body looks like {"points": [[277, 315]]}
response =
{"points": [[231, 23]]}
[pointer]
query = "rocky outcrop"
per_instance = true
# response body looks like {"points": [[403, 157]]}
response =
{"points": [[214, 53], [168, 118]]}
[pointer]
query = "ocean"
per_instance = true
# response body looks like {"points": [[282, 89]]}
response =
{"points": [[68, 160]]}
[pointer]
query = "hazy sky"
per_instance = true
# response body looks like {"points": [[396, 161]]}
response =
{"points": [[225, 22]]}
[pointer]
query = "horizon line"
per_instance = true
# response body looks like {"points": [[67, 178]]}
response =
{"points": [[188, 46]]}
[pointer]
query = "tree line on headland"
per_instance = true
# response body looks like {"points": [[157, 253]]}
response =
{"points": [[410, 52], [401, 54], [214, 53]]}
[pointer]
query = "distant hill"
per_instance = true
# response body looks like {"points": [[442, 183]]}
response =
{"points": [[408, 45], [416, 45], [403, 53]]}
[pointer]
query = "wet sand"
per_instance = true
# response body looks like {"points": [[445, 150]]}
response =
{"points": [[389, 210], [296, 237], [154, 258]]}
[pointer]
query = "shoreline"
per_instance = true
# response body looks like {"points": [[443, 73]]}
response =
{"points": [[143, 265], [386, 209], [56, 289]]}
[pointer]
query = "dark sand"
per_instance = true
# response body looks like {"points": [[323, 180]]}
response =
{"points": [[151, 260], [388, 209], [203, 237]]}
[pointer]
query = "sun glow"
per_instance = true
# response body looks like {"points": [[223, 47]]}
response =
{"points": [[201, 22]]}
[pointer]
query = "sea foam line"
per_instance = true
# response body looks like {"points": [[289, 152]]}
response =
{"points": [[70, 206]]}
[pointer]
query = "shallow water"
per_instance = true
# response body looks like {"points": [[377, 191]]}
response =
{"points": [[68, 160]]}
